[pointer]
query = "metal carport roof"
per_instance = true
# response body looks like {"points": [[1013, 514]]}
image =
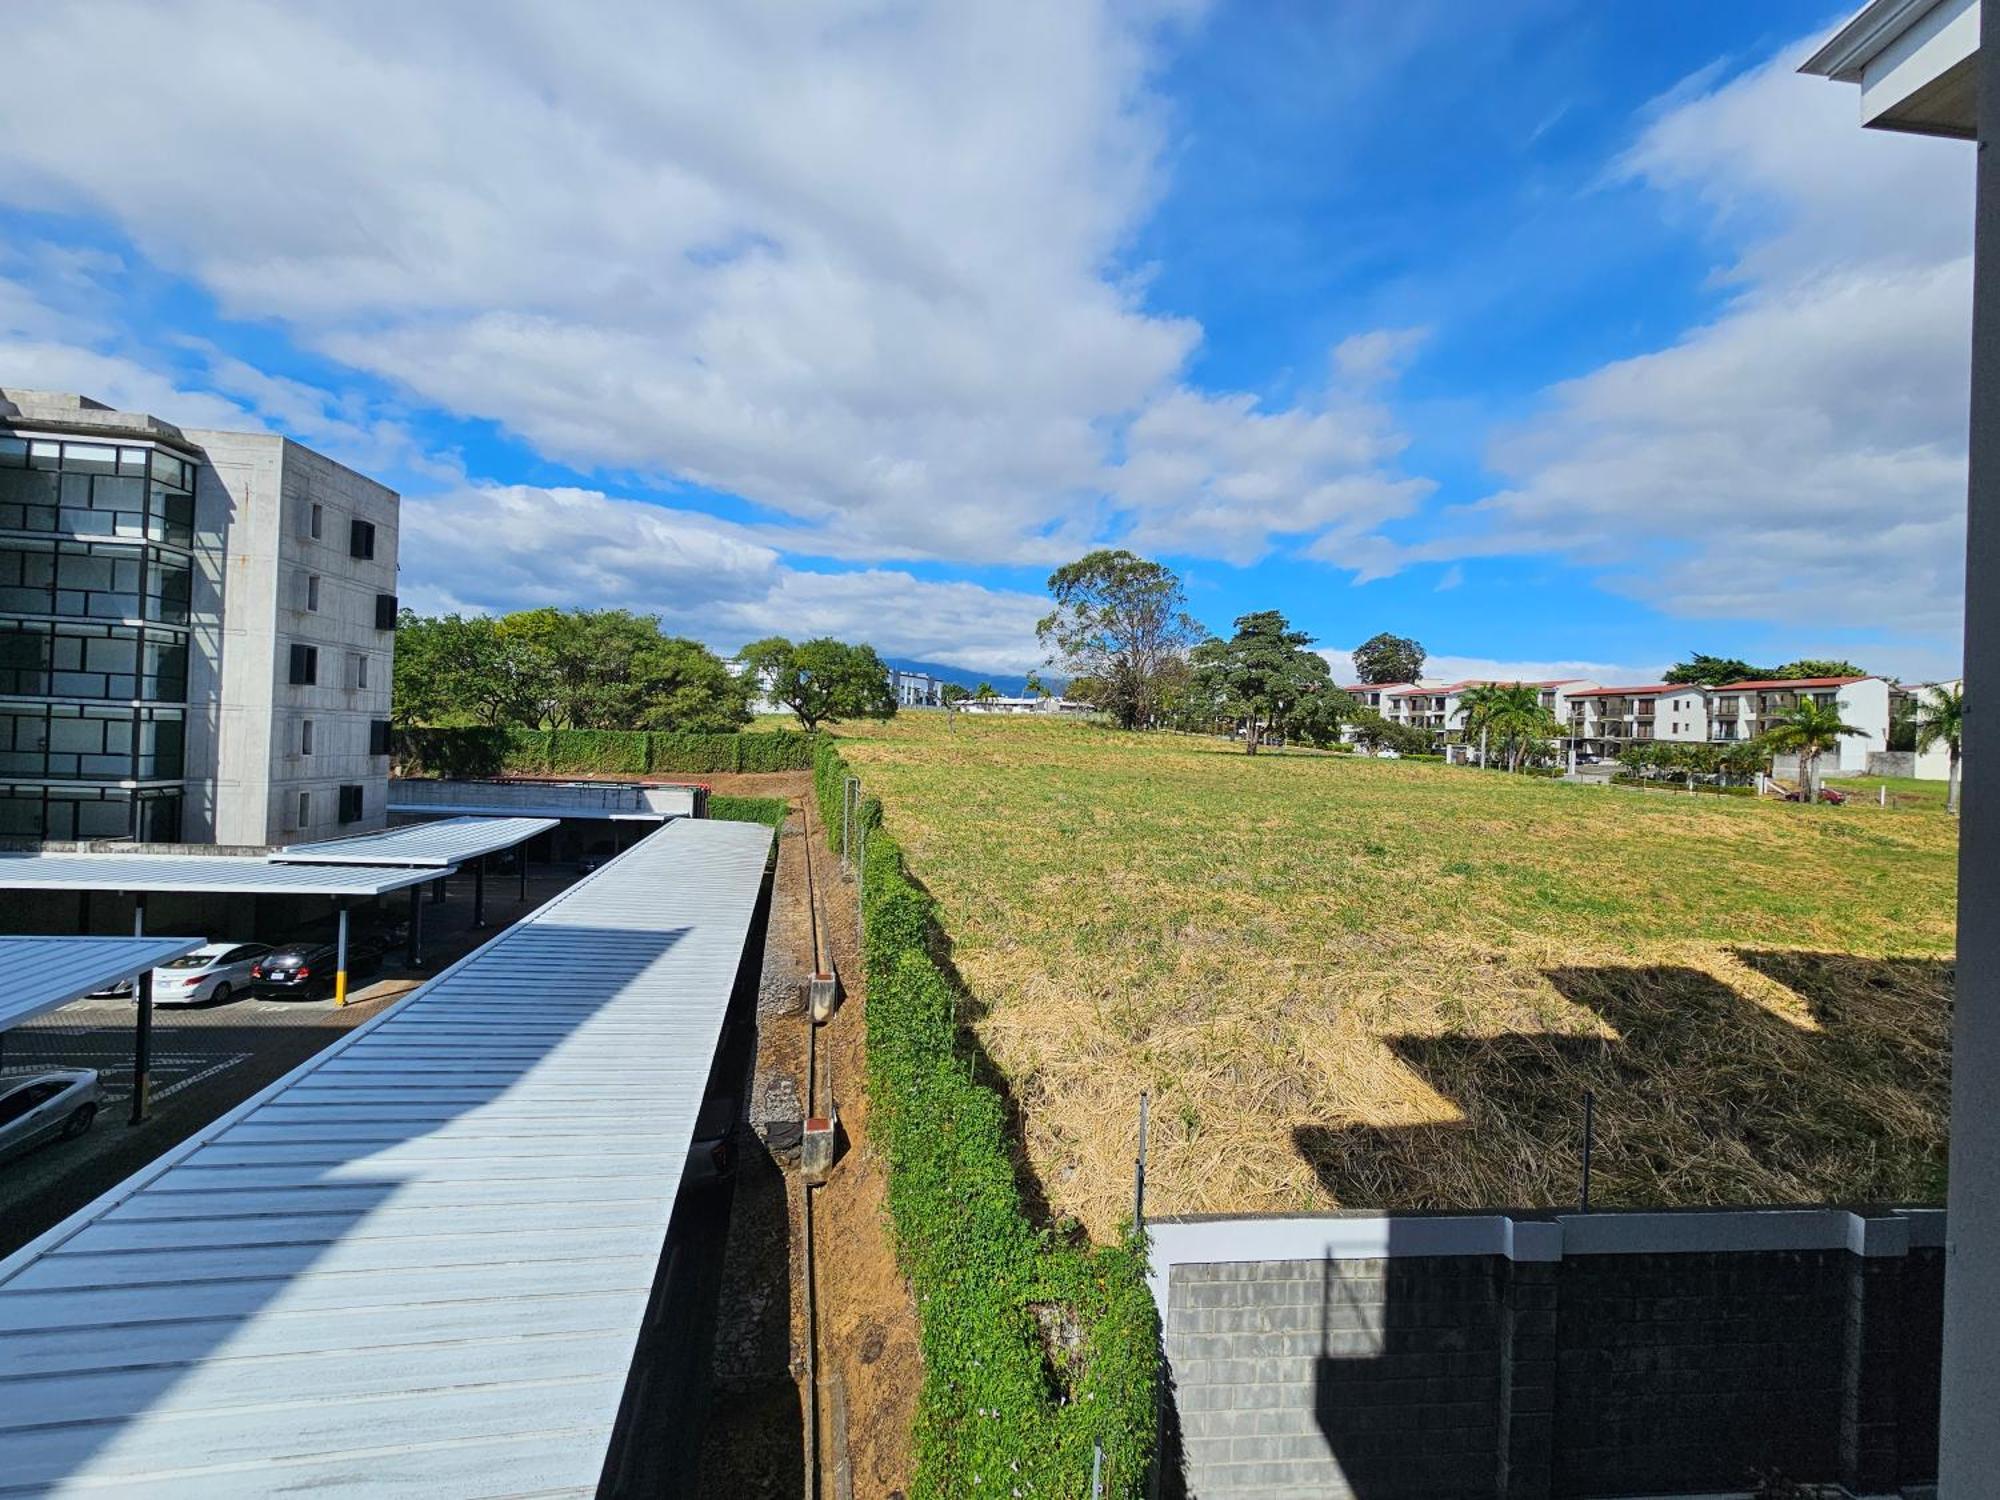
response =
{"points": [[41, 974], [419, 1264], [441, 843], [233, 874]]}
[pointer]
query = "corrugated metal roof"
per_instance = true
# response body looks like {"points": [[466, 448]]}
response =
{"points": [[442, 843], [41, 974], [227, 873], [418, 1265], [473, 810]]}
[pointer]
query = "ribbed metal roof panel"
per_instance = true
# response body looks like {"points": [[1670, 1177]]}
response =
{"points": [[232, 874], [417, 1265], [442, 843], [41, 974]]}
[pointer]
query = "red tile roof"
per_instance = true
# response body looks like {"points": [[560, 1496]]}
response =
{"points": [[1647, 691], [1789, 682], [1375, 687]]}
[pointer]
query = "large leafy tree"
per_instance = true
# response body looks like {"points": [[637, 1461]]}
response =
{"points": [[1810, 666], [1940, 720], [1714, 671], [1509, 714], [1120, 625], [455, 670], [1389, 658], [561, 669], [1808, 731], [823, 680], [1263, 677]]}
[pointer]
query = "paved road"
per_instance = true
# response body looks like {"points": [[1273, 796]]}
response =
{"points": [[206, 1060]]}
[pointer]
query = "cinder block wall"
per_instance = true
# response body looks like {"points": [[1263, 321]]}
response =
{"points": [[1662, 1368]]}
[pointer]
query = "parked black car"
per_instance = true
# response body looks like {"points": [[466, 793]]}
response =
{"points": [[306, 968]]}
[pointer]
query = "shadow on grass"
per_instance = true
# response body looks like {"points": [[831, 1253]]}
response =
{"points": [[1703, 1096]]}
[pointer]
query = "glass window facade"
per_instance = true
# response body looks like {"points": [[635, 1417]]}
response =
{"points": [[96, 601]]}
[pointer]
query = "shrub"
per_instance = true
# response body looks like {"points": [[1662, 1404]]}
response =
{"points": [[770, 811], [470, 752], [1005, 1409]]}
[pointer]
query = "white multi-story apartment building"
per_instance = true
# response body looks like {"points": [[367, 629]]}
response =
{"points": [[1744, 710], [197, 631], [1603, 720], [1439, 708], [916, 689]]}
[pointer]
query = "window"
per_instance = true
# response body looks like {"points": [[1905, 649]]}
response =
{"points": [[357, 672], [305, 736], [312, 591], [316, 524], [385, 611], [378, 736], [305, 665], [350, 804], [361, 539], [305, 810]]}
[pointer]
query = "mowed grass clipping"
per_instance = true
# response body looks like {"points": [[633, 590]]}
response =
{"points": [[1360, 983]]}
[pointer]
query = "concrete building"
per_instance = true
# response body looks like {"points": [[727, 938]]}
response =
{"points": [[916, 689], [197, 631], [1921, 67]]}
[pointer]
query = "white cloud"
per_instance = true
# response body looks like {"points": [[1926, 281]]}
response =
{"points": [[490, 549], [855, 264], [1440, 669], [1801, 457]]}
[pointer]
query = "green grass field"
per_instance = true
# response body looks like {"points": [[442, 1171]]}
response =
{"points": [[1366, 983]]}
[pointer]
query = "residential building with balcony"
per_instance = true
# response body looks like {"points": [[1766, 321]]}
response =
{"points": [[1745, 710], [197, 631], [1375, 695], [1604, 720]]}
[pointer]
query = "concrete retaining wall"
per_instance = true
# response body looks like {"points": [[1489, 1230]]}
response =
{"points": [[1570, 1355]]}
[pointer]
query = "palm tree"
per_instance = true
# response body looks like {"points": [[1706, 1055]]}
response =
{"points": [[1809, 731], [1511, 712], [1941, 718]]}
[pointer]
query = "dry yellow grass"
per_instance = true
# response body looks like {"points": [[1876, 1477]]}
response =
{"points": [[1369, 983]]}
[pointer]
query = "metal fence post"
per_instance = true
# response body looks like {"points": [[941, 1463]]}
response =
{"points": [[1139, 1167], [1589, 1131], [1097, 1470]]}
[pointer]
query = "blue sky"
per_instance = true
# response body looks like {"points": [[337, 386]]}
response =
{"points": [[1567, 343]]}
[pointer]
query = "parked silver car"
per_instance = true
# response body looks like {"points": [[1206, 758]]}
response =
{"points": [[212, 972], [43, 1106]]}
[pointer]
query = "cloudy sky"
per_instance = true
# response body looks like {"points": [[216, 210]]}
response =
{"points": [[1567, 343]]}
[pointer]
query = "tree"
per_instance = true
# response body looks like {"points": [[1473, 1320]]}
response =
{"points": [[1033, 688], [1940, 719], [1811, 667], [1714, 671], [1373, 732], [681, 684], [1265, 678], [1510, 712], [1808, 731], [454, 670], [985, 692], [822, 680], [564, 669], [953, 692], [1121, 622], [1388, 658]]}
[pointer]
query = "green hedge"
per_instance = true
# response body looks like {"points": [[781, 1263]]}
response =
{"points": [[770, 811], [1669, 784], [615, 752], [998, 1414]]}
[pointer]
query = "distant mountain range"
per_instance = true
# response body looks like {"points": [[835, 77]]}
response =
{"points": [[1007, 687]]}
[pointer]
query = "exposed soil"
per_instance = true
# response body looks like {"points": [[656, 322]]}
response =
{"points": [[868, 1324]]}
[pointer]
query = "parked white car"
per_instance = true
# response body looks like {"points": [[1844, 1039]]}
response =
{"points": [[43, 1106], [214, 972]]}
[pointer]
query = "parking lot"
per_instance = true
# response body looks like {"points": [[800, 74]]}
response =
{"points": [[206, 1059]]}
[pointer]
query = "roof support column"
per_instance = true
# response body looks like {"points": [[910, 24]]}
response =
{"points": [[416, 926], [1968, 1435], [340, 953], [478, 892], [142, 1046]]}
